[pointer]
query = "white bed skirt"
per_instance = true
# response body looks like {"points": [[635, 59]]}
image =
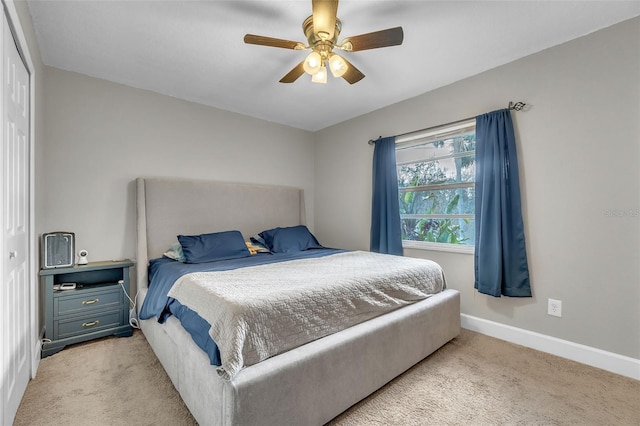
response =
{"points": [[311, 384]]}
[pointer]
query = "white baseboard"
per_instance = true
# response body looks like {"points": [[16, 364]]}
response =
{"points": [[619, 364]]}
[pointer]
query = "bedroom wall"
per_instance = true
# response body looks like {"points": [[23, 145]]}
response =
{"points": [[101, 135], [579, 150]]}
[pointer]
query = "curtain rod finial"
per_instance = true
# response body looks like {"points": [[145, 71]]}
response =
{"points": [[372, 142], [518, 106]]}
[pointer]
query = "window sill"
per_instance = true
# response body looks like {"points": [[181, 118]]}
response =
{"points": [[451, 248]]}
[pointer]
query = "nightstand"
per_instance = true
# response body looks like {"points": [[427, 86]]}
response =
{"points": [[97, 307]]}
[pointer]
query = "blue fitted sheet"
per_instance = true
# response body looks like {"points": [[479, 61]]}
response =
{"points": [[198, 328], [163, 272]]}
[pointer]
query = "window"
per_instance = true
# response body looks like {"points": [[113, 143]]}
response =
{"points": [[436, 185]]}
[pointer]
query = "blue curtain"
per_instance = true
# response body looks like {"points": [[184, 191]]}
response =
{"points": [[500, 258], [386, 236]]}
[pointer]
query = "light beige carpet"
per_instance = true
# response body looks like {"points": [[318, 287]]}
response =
{"points": [[474, 380]]}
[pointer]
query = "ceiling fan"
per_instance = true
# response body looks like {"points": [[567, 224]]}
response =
{"points": [[322, 29]]}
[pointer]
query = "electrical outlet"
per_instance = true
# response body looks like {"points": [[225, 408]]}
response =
{"points": [[554, 308]]}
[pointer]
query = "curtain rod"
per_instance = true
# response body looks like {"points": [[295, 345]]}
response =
{"points": [[518, 106]]}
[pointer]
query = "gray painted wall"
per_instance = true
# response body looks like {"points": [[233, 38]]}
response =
{"points": [[100, 136], [579, 150]]}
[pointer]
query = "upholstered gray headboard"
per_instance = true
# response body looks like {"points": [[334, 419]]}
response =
{"points": [[168, 207]]}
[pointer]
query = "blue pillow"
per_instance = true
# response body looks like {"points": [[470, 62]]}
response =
{"points": [[211, 247], [291, 239]]}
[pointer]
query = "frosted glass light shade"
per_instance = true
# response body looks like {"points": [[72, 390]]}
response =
{"points": [[337, 65], [313, 63], [320, 76]]}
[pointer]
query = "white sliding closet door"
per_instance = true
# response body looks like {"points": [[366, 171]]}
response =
{"points": [[14, 258]]}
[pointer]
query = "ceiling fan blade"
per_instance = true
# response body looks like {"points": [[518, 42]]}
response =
{"points": [[374, 40], [324, 17], [294, 74], [273, 42], [353, 74]]}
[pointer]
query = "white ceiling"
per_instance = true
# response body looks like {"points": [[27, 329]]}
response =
{"points": [[194, 50]]}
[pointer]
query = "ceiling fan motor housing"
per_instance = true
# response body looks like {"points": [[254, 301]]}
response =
{"points": [[319, 41]]}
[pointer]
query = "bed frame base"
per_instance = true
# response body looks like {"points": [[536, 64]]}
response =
{"points": [[311, 384]]}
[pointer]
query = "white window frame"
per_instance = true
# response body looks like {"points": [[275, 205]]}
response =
{"points": [[436, 134]]}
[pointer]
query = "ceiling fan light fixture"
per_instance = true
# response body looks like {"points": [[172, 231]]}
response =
{"points": [[322, 30], [313, 63], [337, 65], [320, 76]]}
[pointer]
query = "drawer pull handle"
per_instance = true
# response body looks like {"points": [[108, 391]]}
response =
{"points": [[90, 302], [90, 324]]}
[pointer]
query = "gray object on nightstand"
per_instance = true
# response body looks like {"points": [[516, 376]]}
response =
{"points": [[96, 307]]}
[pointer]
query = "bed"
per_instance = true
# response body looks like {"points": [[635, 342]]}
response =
{"points": [[308, 384]]}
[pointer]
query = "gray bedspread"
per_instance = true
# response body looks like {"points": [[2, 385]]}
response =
{"points": [[261, 311]]}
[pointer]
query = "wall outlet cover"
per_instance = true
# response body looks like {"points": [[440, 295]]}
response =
{"points": [[554, 308]]}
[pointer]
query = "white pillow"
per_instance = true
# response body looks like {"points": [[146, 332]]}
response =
{"points": [[175, 253]]}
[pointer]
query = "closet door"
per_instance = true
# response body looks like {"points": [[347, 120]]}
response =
{"points": [[15, 294]]}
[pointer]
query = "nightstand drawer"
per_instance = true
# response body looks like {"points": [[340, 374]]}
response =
{"points": [[81, 301], [86, 324]]}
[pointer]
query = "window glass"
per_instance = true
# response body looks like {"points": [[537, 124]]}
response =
{"points": [[436, 183]]}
